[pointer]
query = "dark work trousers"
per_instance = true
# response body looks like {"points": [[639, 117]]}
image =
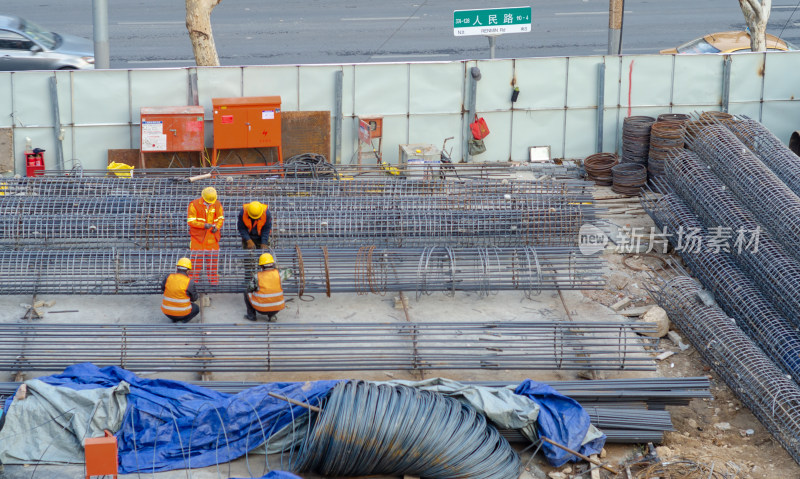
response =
{"points": [[251, 311], [188, 317]]}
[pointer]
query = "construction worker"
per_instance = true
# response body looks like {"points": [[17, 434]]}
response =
{"points": [[178, 302], [255, 225], [205, 218], [265, 294]]}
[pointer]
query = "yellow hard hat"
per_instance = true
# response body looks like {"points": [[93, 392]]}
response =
{"points": [[185, 263], [210, 194], [255, 209], [265, 259]]}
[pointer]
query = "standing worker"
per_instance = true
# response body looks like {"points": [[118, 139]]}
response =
{"points": [[178, 302], [255, 225], [205, 218], [265, 292]]}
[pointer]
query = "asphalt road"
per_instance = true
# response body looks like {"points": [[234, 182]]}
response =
{"points": [[152, 33]]}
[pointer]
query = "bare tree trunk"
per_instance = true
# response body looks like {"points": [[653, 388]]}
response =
{"points": [[756, 14], [198, 23]]}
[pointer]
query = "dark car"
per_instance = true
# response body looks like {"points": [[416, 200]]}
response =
{"points": [[25, 45]]}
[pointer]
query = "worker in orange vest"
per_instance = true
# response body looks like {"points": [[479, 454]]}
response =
{"points": [[265, 294], [205, 218], [180, 294], [254, 225]]}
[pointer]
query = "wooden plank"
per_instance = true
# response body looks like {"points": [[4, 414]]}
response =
{"points": [[6, 151], [306, 132]]}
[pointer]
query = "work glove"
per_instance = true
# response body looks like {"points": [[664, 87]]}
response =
{"points": [[214, 229], [250, 244], [207, 225]]}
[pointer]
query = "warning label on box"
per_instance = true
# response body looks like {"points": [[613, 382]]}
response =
{"points": [[152, 128], [154, 142]]}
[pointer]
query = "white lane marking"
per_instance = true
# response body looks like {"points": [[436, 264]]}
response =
{"points": [[651, 49], [375, 19], [418, 55], [587, 13], [161, 61], [784, 6], [151, 23]]}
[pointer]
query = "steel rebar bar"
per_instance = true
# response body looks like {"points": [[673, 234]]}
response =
{"points": [[315, 347]]}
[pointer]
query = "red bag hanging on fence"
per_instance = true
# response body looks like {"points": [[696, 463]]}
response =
{"points": [[479, 128]]}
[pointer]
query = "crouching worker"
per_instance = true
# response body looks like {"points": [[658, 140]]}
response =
{"points": [[180, 294], [265, 294]]}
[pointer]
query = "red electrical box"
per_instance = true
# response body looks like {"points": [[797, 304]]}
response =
{"points": [[251, 122], [171, 129], [34, 164]]}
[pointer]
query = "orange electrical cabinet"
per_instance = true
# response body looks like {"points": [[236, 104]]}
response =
{"points": [[251, 122], [171, 129], [101, 455]]}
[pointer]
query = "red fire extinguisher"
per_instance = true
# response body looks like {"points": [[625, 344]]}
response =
{"points": [[34, 162]]}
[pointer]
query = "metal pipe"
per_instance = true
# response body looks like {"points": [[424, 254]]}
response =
{"points": [[100, 22]]}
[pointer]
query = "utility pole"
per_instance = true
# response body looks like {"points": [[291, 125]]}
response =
{"points": [[616, 10], [100, 19]]}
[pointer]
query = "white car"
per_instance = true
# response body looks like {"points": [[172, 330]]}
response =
{"points": [[27, 46]]}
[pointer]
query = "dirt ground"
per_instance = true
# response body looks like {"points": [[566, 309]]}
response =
{"points": [[721, 431]]}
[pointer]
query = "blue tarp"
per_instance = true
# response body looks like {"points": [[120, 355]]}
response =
{"points": [[562, 420], [175, 425], [275, 475]]}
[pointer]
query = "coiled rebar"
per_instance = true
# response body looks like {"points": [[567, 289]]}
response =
{"points": [[629, 178], [636, 139], [664, 136], [598, 167], [365, 429], [768, 393]]}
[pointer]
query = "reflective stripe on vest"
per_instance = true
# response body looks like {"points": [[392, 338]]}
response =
{"points": [[269, 296], [175, 301]]}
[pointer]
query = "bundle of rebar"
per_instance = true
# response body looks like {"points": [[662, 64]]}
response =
{"points": [[775, 155], [629, 178], [636, 139], [736, 293], [772, 397], [160, 221], [598, 168], [268, 189], [305, 270], [315, 347], [776, 207], [775, 272], [366, 429]]}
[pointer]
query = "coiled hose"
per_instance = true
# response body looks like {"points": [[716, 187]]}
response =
{"points": [[309, 165], [367, 428]]}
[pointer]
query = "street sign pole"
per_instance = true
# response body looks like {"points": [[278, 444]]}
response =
{"points": [[491, 22]]}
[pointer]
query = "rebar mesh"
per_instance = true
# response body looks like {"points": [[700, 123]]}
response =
{"points": [[775, 155], [736, 293], [309, 270], [772, 397], [269, 188], [275, 347], [776, 273], [772, 202], [552, 216]]}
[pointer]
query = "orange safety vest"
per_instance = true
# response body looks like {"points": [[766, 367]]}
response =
{"points": [[248, 221], [269, 296], [176, 301], [197, 216]]}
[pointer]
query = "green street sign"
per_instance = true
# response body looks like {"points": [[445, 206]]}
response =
{"points": [[492, 21]]}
